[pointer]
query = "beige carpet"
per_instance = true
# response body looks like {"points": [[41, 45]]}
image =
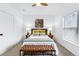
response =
{"points": [[63, 51], [15, 51]]}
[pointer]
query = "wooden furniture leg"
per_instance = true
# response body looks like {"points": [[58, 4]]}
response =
{"points": [[54, 52], [21, 53]]}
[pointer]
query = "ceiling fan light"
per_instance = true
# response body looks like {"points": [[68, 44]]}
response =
{"points": [[39, 4]]}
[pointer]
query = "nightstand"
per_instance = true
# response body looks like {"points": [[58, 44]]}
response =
{"points": [[50, 35]]}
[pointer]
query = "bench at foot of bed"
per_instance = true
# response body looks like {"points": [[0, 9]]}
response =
{"points": [[37, 50]]}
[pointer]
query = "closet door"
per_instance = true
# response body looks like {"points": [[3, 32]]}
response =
{"points": [[70, 27], [6, 27]]}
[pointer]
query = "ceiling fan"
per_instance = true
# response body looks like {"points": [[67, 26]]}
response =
{"points": [[39, 4]]}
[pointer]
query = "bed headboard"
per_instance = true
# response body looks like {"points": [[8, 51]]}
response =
{"points": [[39, 31]]}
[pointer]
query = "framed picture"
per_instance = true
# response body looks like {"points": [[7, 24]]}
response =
{"points": [[39, 23]]}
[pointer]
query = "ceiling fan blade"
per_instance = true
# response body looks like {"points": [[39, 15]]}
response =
{"points": [[44, 4], [34, 4]]}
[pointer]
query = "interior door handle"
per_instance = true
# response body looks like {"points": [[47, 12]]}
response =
{"points": [[1, 34]]}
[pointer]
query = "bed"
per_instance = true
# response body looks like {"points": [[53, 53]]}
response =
{"points": [[40, 37]]}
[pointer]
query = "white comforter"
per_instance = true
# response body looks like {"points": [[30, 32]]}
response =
{"points": [[43, 38], [40, 40]]}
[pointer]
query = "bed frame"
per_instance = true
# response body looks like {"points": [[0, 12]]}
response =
{"points": [[33, 49], [37, 49], [40, 31]]}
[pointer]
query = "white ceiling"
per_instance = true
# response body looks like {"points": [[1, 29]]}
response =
{"points": [[51, 9]]}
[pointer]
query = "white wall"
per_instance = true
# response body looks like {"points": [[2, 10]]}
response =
{"points": [[59, 27], [11, 26], [29, 21]]}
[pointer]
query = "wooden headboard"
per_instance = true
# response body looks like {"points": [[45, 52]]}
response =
{"points": [[39, 31]]}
